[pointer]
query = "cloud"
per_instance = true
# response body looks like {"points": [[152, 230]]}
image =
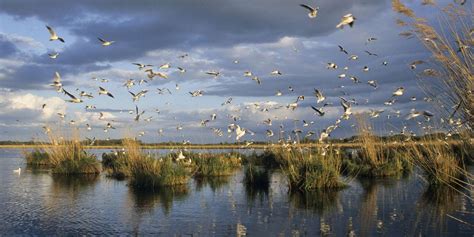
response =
{"points": [[28, 107]]}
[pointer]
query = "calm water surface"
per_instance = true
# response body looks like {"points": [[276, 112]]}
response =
{"points": [[36, 203]]}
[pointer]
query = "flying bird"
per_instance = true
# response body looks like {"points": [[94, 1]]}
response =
{"points": [[103, 91], [53, 35], [105, 42], [142, 66], [347, 19], [319, 95], [320, 112], [370, 53], [213, 73], [73, 98], [57, 82], [398, 92], [276, 72], [53, 55], [313, 11], [342, 49]]}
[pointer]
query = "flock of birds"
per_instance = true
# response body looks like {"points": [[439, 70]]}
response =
{"points": [[320, 101]]}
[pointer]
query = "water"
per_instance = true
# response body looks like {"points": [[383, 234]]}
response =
{"points": [[36, 203]]}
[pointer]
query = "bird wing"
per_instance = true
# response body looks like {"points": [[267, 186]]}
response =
{"points": [[101, 40], [69, 94], [132, 93], [51, 31], [318, 93], [317, 110], [307, 7]]}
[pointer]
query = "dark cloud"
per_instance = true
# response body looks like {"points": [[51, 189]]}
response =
{"points": [[146, 25], [6, 46]]}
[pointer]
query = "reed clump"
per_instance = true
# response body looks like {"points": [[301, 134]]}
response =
{"points": [[449, 40], [215, 164], [267, 159], [37, 158], [116, 164], [374, 159], [149, 172], [68, 157], [306, 170], [440, 163]]}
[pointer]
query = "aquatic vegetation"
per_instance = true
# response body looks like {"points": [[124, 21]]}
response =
{"points": [[215, 164], [69, 157], [37, 157], [116, 164], [373, 159], [440, 164], [308, 170], [149, 172], [268, 159]]}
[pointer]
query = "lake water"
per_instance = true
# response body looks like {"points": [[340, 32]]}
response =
{"points": [[37, 203]]}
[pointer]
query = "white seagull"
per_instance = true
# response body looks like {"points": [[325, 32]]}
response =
{"points": [[53, 35]]}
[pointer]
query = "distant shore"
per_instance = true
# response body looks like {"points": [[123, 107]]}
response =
{"points": [[223, 146]]}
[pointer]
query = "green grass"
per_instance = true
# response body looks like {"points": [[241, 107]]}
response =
{"points": [[268, 159], [308, 170], [37, 157], [393, 165], [215, 164], [149, 173], [116, 164], [79, 164]]}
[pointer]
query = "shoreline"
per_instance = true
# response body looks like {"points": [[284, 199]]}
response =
{"points": [[229, 146]]}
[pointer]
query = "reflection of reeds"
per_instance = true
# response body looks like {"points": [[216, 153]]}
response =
{"points": [[319, 201], [71, 184], [368, 209], [436, 203], [215, 182], [146, 200], [256, 182]]}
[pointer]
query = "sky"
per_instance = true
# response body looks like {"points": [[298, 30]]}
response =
{"points": [[229, 36]]}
